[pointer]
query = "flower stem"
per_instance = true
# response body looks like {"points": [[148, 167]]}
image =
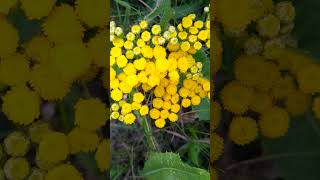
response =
{"points": [[148, 134]]}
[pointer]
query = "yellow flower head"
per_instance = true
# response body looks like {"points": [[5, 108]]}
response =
{"points": [[81, 140], [38, 11], [92, 109], [64, 171], [16, 168], [102, 155], [24, 100], [92, 12], [243, 130]]}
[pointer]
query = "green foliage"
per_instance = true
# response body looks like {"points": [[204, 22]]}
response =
{"points": [[300, 149], [169, 166], [202, 56], [203, 110]]}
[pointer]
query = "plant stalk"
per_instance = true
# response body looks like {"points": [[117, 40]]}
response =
{"points": [[148, 134]]}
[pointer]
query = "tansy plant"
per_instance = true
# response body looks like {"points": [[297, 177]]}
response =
{"points": [[154, 74], [271, 81], [46, 58]]}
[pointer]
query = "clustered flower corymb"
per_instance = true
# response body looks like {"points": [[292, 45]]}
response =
{"points": [[273, 80], [153, 72], [44, 68]]}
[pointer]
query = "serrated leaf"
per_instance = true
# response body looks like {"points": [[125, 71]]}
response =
{"points": [[203, 110], [166, 17], [169, 166]]}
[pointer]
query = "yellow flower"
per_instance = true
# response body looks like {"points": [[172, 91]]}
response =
{"points": [[308, 78], [153, 80], [236, 98], [63, 16], [261, 102], [147, 52], [102, 155], [37, 174], [160, 123], [154, 113], [14, 70], [16, 144], [159, 91], [243, 130], [116, 94], [157, 103], [156, 29], [92, 13], [64, 171], [92, 109], [129, 118], [122, 61], [164, 114], [185, 46], [183, 35], [115, 115], [126, 108], [42, 9], [53, 155], [203, 35], [39, 49], [171, 89], [116, 52], [198, 24], [173, 117], [187, 22], [138, 97], [274, 122], [195, 100], [175, 98], [24, 100], [143, 24], [144, 110], [185, 102], [175, 108], [184, 92], [197, 45], [216, 147], [37, 130], [135, 29], [71, 60], [140, 64], [269, 26], [128, 45], [96, 45], [6, 5], [16, 168], [297, 102], [81, 140], [146, 36]]}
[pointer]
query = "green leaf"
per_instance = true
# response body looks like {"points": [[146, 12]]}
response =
{"points": [[181, 11], [307, 25], [203, 110], [303, 144], [128, 8], [169, 166], [201, 56], [163, 7], [167, 16]]}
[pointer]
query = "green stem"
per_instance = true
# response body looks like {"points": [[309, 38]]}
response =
{"points": [[148, 134]]}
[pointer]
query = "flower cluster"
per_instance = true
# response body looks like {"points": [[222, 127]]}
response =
{"points": [[273, 80], [153, 72], [41, 70]]}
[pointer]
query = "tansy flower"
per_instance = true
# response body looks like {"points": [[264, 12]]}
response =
{"points": [[16, 144], [243, 130], [92, 13], [81, 140], [216, 147], [316, 107], [156, 29], [274, 122], [6, 5], [92, 109], [144, 110], [37, 130], [236, 98], [39, 11], [71, 60], [63, 16], [37, 174], [48, 83], [14, 70], [53, 148], [16, 168], [96, 47], [160, 123], [64, 171], [102, 155], [39, 49], [23, 99]]}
